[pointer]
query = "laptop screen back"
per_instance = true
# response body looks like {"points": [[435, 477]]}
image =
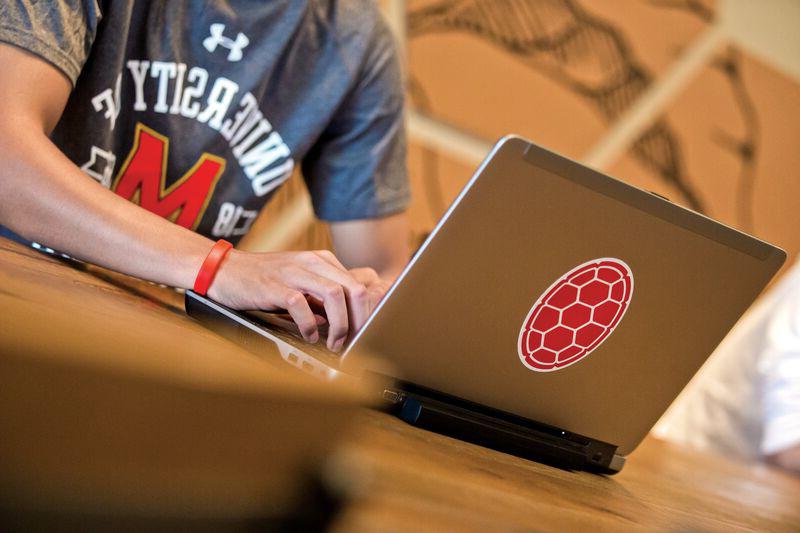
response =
{"points": [[460, 318]]}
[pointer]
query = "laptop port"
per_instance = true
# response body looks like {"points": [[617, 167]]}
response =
{"points": [[392, 396]]}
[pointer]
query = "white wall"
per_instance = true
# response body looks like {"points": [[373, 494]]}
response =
{"points": [[769, 29]]}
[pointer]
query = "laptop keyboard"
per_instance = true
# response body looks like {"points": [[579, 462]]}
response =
{"points": [[286, 330]]}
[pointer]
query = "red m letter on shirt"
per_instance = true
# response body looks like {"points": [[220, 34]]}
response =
{"points": [[142, 176]]}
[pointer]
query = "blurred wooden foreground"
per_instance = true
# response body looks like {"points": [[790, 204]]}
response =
{"points": [[185, 408]]}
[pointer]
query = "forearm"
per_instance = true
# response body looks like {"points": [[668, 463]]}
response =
{"points": [[47, 199], [381, 244], [392, 262]]}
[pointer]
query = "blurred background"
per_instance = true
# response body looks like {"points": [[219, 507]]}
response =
{"points": [[697, 100]]}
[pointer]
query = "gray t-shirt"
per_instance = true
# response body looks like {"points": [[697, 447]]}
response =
{"points": [[199, 110]]}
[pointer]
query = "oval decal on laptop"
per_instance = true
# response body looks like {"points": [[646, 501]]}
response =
{"points": [[575, 314]]}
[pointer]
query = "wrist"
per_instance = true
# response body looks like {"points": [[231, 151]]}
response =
{"points": [[229, 286], [207, 272]]}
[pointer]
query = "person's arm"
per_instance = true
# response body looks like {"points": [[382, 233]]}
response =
{"points": [[380, 243], [46, 198], [356, 171]]}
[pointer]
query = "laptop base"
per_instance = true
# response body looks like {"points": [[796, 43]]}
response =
{"points": [[426, 408], [498, 430]]}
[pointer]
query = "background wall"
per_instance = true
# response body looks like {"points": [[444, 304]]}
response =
{"points": [[694, 99]]}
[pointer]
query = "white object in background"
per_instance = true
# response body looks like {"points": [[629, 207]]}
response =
{"points": [[745, 401]]}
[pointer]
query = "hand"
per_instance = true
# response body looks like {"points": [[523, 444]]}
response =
{"points": [[287, 280], [376, 290], [376, 286]]}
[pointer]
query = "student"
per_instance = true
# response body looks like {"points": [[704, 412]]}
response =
{"points": [[745, 402], [135, 134]]}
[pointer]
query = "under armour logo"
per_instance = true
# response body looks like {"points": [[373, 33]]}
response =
{"points": [[217, 38]]}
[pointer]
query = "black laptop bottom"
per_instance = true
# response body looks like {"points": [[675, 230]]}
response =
{"points": [[499, 430]]}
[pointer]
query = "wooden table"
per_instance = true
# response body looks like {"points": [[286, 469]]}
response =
{"points": [[409, 479], [424, 481]]}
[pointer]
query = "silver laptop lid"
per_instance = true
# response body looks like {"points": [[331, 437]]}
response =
{"points": [[556, 293]]}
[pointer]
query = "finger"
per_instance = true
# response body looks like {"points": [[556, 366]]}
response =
{"points": [[333, 299], [356, 294], [375, 294], [376, 287], [329, 257], [365, 275], [377, 291], [295, 302], [316, 304]]}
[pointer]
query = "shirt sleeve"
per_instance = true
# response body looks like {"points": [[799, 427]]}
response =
{"points": [[59, 31], [357, 169]]}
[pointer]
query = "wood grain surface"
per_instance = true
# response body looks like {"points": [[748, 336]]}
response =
{"points": [[114, 403], [422, 481], [407, 479]]}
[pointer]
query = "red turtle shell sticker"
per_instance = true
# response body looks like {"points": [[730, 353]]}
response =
{"points": [[575, 314]]}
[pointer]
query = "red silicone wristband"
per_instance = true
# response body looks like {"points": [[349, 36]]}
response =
{"points": [[210, 266]]}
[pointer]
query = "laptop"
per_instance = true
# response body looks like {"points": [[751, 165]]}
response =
{"points": [[553, 313]]}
